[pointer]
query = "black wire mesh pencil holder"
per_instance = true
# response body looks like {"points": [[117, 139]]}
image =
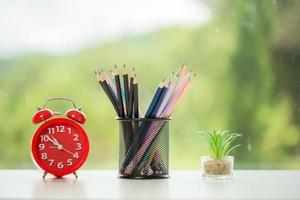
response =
{"points": [[144, 148]]}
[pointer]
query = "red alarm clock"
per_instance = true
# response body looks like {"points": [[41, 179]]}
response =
{"points": [[60, 145]]}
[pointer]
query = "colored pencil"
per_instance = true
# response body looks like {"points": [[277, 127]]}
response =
{"points": [[109, 82], [136, 98], [130, 96], [151, 107], [167, 97], [126, 89], [108, 92], [119, 93], [160, 100]]}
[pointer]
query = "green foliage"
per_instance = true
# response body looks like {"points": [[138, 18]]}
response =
{"points": [[220, 143]]}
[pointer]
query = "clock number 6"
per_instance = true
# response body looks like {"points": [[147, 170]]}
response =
{"points": [[60, 165]]}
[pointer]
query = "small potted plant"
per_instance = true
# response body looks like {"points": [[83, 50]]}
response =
{"points": [[218, 164]]}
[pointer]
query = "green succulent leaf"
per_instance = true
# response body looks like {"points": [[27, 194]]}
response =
{"points": [[220, 143]]}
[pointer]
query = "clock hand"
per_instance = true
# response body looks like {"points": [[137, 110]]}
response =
{"points": [[51, 140], [62, 148], [66, 150], [55, 140]]}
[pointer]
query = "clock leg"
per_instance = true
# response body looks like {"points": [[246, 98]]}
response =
{"points": [[45, 174], [75, 174]]}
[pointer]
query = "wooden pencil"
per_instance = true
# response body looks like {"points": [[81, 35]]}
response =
{"points": [[167, 97], [160, 99], [136, 98], [130, 99], [109, 82], [108, 92], [154, 101], [126, 89], [119, 92]]}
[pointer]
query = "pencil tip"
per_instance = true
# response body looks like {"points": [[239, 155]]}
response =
{"points": [[161, 84], [98, 76], [112, 72], [135, 81]]}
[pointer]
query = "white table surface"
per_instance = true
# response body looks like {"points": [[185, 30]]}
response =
{"points": [[28, 184]]}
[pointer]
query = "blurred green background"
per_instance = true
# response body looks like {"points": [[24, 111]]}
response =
{"points": [[247, 60]]}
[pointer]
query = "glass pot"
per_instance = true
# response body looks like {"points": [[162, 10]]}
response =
{"points": [[217, 168]]}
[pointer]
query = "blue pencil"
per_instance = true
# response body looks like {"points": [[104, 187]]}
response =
{"points": [[151, 108], [159, 101]]}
